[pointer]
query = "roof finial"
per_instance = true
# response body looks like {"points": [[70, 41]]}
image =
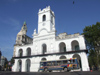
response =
{"points": [[25, 22], [39, 10], [49, 7], [34, 31]]}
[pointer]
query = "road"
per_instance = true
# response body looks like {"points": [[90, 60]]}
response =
{"points": [[50, 73]]}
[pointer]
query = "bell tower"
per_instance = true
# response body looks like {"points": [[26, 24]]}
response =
{"points": [[22, 38], [46, 20], [24, 28], [22, 32]]}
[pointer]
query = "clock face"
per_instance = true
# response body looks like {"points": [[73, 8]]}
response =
{"points": [[43, 24]]}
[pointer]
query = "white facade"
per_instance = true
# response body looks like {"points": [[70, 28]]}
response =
{"points": [[49, 46]]}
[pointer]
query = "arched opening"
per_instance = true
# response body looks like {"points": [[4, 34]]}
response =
{"points": [[28, 51], [62, 57], [19, 65], [20, 53], [75, 45], [43, 63], [51, 19], [78, 59], [62, 47], [44, 17], [28, 65], [43, 59], [44, 48]]}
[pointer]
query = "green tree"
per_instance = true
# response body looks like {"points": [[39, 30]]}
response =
{"points": [[6, 63], [92, 38], [12, 61], [92, 58]]}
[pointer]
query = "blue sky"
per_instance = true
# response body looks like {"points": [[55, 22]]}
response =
{"points": [[69, 17]]}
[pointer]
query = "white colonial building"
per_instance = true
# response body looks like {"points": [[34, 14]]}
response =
{"points": [[45, 45]]}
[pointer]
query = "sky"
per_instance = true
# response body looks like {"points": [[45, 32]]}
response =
{"points": [[70, 18]]}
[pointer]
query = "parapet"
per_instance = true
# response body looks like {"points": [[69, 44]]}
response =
{"points": [[45, 10], [65, 36]]}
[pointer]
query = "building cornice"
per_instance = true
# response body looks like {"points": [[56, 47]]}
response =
{"points": [[69, 52]]}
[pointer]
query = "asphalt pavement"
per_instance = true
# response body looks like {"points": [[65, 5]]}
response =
{"points": [[50, 73]]}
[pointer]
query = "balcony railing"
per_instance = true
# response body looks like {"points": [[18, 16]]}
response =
{"points": [[55, 53]]}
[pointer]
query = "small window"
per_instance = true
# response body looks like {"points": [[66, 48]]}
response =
{"points": [[59, 62], [48, 63], [53, 63], [73, 60], [65, 62], [44, 48], [44, 63], [41, 64], [51, 19], [69, 61], [18, 38], [44, 17], [20, 53]]}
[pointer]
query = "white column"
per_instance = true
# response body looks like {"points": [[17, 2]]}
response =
{"points": [[35, 64], [24, 51], [68, 46], [84, 61], [82, 43], [15, 67]]}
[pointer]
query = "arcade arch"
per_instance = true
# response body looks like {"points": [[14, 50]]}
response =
{"points": [[78, 59], [28, 51], [44, 48], [44, 17], [75, 45], [62, 47], [20, 53], [43, 59], [28, 65], [19, 65], [62, 57]]}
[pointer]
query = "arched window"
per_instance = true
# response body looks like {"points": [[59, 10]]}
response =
{"points": [[44, 17], [44, 48], [20, 53], [62, 47], [63, 57], [51, 19], [78, 59], [28, 51], [75, 45], [28, 64], [43, 59], [19, 65]]}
